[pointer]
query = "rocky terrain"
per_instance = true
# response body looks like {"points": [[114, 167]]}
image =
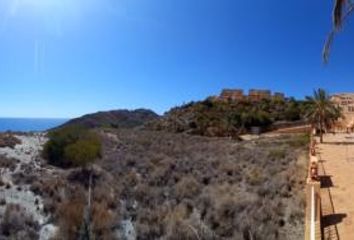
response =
{"points": [[17, 199], [157, 185], [216, 118]]}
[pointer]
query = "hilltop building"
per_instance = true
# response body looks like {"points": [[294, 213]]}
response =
{"points": [[279, 95], [257, 94], [253, 95], [231, 94], [346, 102]]}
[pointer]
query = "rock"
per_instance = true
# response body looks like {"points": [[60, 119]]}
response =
{"points": [[47, 232], [126, 231]]}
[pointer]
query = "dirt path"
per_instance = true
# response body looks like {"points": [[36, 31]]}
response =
{"points": [[336, 157]]}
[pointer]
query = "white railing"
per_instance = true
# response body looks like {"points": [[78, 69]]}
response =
{"points": [[313, 206]]}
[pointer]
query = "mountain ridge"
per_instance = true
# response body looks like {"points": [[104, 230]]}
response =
{"points": [[121, 118]]}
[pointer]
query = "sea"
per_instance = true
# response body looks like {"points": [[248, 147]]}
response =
{"points": [[29, 124]]}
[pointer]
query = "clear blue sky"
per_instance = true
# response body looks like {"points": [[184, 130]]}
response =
{"points": [[64, 58]]}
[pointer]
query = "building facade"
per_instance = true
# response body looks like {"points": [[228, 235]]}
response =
{"points": [[279, 96], [346, 102], [231, 94], [254, 95], [257, 95]]}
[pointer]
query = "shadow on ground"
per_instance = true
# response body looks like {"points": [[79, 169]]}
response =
{"points": [[333, 219], [338, 143], [326, 181]]}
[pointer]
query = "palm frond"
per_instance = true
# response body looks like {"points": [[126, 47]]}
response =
{"points": [[338, 13], [341, 11], [327, 47]]}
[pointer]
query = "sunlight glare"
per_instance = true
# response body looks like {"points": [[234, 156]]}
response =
{"points": [[45, 4]]}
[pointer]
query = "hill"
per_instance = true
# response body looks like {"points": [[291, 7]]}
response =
{"points": [[229, 118], [114, 119]]}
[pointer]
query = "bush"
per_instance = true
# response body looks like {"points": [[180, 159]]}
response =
{"points": [[277, 153], [7, 163], [8, 140], [188, 187], [82, 152], [255, 177], [302, 140], [71, 215], [72, 146], [71, 218], [16, 224]]}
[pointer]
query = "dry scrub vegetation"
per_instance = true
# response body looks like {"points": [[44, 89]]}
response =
{"points": [[8, 140], [17, 224], [175, 186]]}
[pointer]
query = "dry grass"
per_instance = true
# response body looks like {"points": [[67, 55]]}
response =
{"points": [[189, 186], [176, 186], [16, 224], [70, 215], [8, 140], [6, 162]]}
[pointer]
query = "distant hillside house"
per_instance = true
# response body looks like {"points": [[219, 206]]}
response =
{"points": [[346, 102], [254, 95], [232, 94], [257, 95], [279, 95]]}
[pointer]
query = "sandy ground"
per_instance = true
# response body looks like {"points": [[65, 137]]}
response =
{"points": [[336, 157], [27, 153]]}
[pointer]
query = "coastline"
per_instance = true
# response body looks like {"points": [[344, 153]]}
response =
{"points": [[28, 125]]}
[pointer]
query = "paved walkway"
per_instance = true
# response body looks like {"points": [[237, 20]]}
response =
{"points": [[336, 157]]}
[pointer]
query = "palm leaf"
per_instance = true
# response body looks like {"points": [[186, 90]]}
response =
{"points": [[341, 11], [338, 13]]}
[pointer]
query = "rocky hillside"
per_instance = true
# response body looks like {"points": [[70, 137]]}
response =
{"points": [[220, 118], [115, 119]]}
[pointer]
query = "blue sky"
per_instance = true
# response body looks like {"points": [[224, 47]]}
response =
{"points": [[65, 58]]}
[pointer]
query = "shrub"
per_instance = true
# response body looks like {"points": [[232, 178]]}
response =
{"points": [[188, 187], [8, 140], [7, 163], [83, 152], [301, 140], [71, 218], [17, 224], [277, 153], [72, 146], [255, 176]]}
